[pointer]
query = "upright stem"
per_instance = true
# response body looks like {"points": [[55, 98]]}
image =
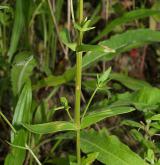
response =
{"points": [[78, 84]]}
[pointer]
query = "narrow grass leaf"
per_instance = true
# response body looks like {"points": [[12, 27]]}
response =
{"points": [[17, 28]]}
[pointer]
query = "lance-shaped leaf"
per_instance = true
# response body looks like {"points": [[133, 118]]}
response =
{"points": [[23, 107], [100, 114], [111, 150], [127, 17], [51, 127], [120, 43], [101, 80]]}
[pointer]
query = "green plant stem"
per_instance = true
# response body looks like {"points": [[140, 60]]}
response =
{"points": [[59, 108], [69, 115], [26, 148], [77, 103], [89, 102], [7, 121], [32, 153], [78, 84]]}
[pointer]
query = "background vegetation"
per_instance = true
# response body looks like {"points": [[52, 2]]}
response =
{"points": [[79, 82]]}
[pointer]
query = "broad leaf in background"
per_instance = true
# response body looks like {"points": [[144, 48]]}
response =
{"points": [[131, 83], [147, 98], [127, 17], [111, 150], [51, 127], [21, 114], [17, 28], [23, 65], [104, 112]]}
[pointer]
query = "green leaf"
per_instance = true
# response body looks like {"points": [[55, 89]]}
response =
{"points": [[17, 156], [147, 98], [129, 82], [51, 127], [84, 26], [21, 114], [150, 156], [6, 15], [17, 28], [155, 117], [23, 107], [132, 124], [94, 48], [26, 147], [64, 36], [103, 77], [100, 114], [90, 158], [127, 17], [121, 43], [22, 68], [111, 150], [4, 7], [64, 102], [56, 80], [138, 136]]}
